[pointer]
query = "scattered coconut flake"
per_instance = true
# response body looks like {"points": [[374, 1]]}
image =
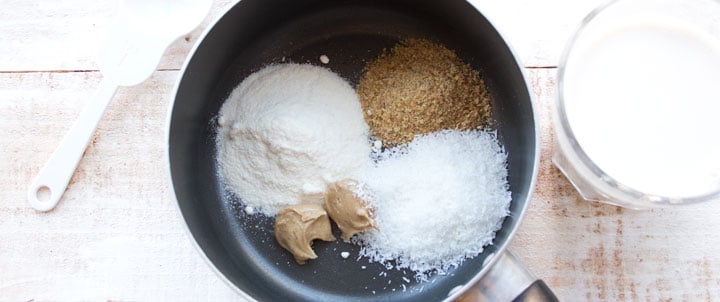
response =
{"points": [[249, 210], [345, 255], [324, 59], [377, 144]]}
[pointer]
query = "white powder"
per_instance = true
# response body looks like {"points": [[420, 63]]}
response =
{"points": [[287, 130], [437, 202]]}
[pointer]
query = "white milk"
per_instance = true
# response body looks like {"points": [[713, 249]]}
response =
{"points": [[644, 104]]}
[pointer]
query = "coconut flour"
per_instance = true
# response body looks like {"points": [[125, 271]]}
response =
{"points": [[286, 132]]}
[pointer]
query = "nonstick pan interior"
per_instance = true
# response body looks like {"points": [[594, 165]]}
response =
{"points": [[256, 33]]}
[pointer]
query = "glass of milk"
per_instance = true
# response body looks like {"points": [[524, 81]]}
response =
{"points": [[637, 117]]}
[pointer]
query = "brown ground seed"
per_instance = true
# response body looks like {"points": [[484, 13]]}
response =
{"points": [[421, 87]]}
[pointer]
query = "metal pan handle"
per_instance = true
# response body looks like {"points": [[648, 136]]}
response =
{"points": [[508, 280]]}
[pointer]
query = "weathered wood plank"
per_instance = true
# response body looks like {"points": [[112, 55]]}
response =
{"points": [[66, 35], [537, 30], [116, 234]]}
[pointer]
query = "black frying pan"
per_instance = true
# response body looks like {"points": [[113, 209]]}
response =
{"points": [[255, 33]]}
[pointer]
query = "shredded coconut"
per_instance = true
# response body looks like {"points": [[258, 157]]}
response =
{"points": [[438, 200], [324, 59], [249, 210], [287, 130]]}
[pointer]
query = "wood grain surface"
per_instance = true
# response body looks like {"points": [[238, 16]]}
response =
{"points": [[116, 234]]}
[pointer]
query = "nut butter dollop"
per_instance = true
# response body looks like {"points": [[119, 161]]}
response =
{"points": [[350, 213], [298, 225]]}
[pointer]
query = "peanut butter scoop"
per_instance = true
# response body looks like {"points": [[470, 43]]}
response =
{"points": [[297, 226], [350, 213]]}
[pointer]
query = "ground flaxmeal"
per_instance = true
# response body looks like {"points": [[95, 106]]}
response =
{"points": [[419, 87]]}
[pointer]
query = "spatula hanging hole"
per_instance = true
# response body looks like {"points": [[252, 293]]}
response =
{"points": [[43, 194]]}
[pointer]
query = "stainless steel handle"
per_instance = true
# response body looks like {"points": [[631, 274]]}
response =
{"points": [[508, 280]]}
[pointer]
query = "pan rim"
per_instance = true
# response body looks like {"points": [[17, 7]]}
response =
{"points": [[455, 293], [536, 162], [168, 122]]}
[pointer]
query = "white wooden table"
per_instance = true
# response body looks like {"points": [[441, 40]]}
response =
{"points": [[116, 234]]}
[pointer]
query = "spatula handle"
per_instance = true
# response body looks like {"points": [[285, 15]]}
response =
{"points": [[50, 184]]}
